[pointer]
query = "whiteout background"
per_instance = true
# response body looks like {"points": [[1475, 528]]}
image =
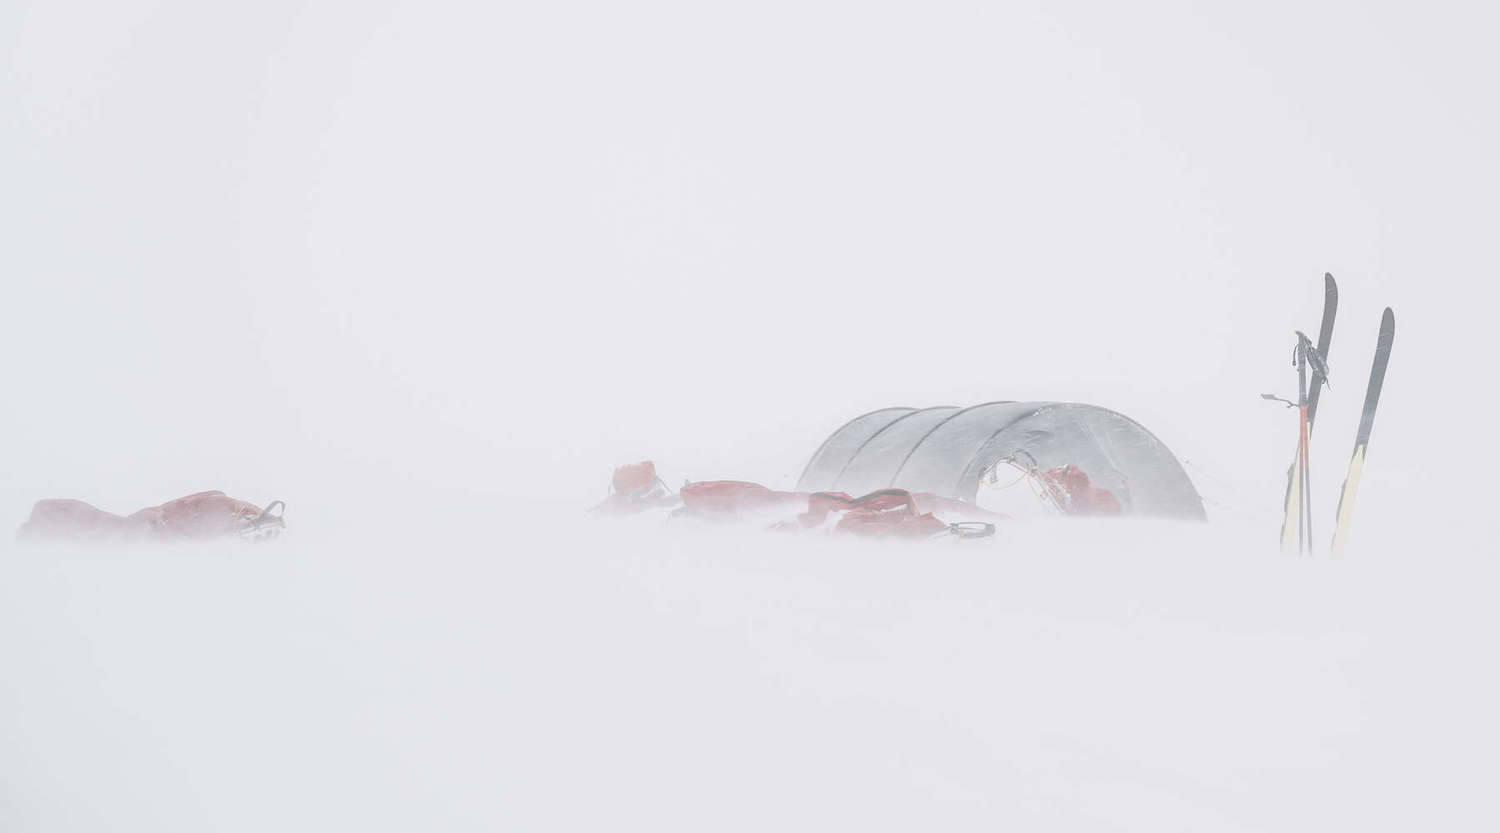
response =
{"points": [[428, 271]]}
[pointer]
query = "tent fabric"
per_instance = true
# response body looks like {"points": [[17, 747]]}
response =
{"points": [[833, 455], [945, 451], [877, 459]]}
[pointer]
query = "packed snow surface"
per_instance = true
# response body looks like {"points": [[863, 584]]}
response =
{"points": [[584, 676]]}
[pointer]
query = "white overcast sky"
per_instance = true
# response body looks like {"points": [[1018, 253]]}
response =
{"points": [[314, 250]]}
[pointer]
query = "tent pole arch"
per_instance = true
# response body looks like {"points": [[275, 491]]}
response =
{"points": [[1166, 453], [960, 412], [958, 484], [831, 437], [883, 429]]}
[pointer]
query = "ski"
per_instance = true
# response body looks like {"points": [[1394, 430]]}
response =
{"points": [[1296, 474], [1362, 439]]}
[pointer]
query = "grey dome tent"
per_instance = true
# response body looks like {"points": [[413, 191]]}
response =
{"points": [[945, 451]]}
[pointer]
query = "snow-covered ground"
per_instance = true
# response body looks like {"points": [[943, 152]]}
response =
{"points": [[523, 672]]}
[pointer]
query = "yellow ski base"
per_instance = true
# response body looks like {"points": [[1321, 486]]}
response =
{"points": [[1346, 502]]}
